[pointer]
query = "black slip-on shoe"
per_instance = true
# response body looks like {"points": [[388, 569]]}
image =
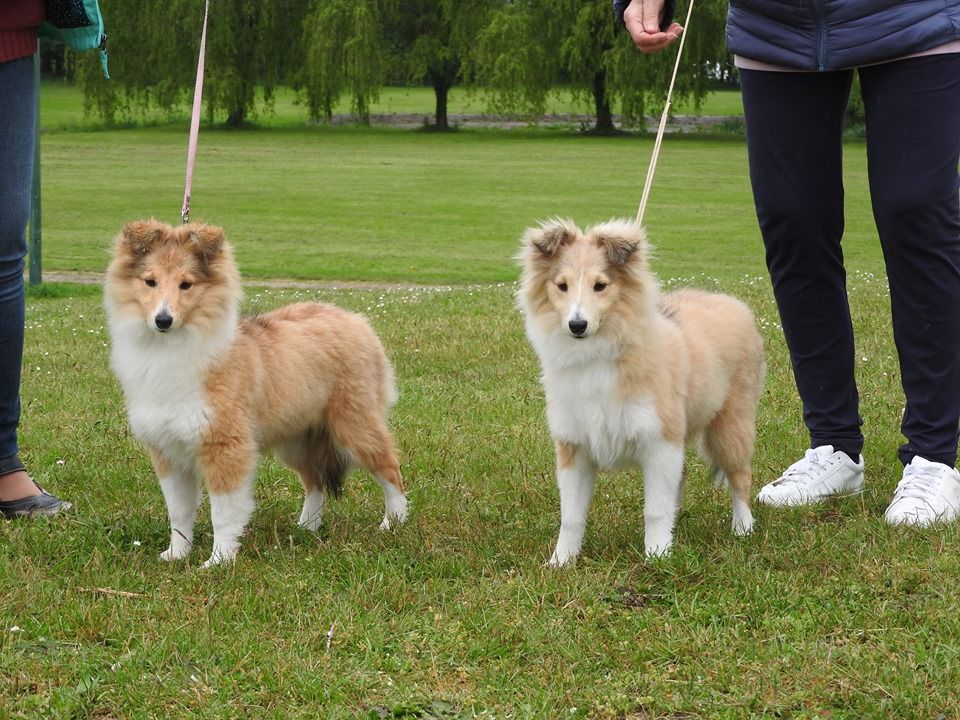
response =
{"points": [[42, 504]]}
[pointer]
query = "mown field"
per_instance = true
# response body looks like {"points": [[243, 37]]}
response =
{"points": [[822, 612]]}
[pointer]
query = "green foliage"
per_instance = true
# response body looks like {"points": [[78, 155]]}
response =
{"points": [[520, 52], [344, 52], [431, 40], [514, 58], [154, 46], [515, 52], [639, 83]]}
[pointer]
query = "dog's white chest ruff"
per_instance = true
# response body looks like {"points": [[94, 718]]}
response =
{"points": [[163, 386], [584, 407]]}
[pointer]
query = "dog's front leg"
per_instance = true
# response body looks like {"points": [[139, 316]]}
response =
{"points": [[576, 477], [229, 511], [662, 487], [181, 491], [229, 468]]}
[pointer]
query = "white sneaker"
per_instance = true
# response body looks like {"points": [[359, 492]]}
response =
{"points": [[929, 492], [820, 474]]}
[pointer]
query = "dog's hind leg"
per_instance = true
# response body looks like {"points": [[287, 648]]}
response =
{"points": [[662, 488], [181, 491], [360, 430], [321, 467], [576, 478], [728, 443]]}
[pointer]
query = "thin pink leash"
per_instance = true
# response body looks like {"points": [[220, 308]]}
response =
{"points": [[195, 121], [663, 123]]}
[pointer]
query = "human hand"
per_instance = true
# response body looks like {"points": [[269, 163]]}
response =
{"points": [[642, 18]]}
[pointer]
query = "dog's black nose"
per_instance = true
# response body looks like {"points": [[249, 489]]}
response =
{"points": [[577, 327], [163, 321]]}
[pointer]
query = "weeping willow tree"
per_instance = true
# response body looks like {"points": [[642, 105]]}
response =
{"points": [[638, 83], [529, 44], [345, 52], [252, 47], [427, 41], [515, 58]]}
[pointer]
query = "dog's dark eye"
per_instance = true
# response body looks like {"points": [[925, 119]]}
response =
{"points": [[599, 287], [562, 287], [150, 282], [185, 285]]}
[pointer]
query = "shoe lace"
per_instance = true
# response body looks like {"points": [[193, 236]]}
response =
{"points": [[919, 483], [805, 470]]}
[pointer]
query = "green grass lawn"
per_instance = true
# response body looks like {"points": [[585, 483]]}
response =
{"points": [[822, 612], [411, 207]]}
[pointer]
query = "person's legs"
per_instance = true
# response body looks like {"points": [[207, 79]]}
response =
{"points": [[913, 148], [17, 117], [18, 493], [794, 124]]}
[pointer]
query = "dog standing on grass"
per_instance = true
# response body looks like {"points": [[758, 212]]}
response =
{"points": [[207, 392], [631, 375]]}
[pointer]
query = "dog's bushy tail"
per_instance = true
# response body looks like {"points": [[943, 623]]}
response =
{"points": [[329, 462]]}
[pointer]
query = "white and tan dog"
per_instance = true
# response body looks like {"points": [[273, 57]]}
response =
{"points": [[631, 375], [207, 392]]}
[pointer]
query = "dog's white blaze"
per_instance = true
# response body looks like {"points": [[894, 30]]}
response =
{"points": [[164, 306]]}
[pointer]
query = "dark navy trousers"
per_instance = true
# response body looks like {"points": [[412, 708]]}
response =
{"points": [[17, 116], [794, 125]]}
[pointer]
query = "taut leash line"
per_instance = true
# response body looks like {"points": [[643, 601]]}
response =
{"points": [[663, 122], [195, 121]]}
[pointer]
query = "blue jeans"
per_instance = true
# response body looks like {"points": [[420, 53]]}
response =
{"points": [[17, 117], [794, 141]]}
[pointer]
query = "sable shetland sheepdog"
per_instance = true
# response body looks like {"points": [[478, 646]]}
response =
{"points": [[632, 376], [207, 392]]}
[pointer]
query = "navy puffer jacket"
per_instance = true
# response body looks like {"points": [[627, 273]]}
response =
{"points": [[835, 34]]}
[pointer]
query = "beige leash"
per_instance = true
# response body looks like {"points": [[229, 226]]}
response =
{"points": [[663, 123]]}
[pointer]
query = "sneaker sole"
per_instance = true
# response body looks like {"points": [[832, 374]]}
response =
{"points": [[813, 501]]}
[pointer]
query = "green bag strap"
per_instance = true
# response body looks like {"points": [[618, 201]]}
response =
{"points": [[77, 24]]}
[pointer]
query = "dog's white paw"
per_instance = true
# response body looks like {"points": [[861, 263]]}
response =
{"points": [[562, 559], [178, 549], [312, 523], [223, 555], [396, 513], [555, 563], [658, 550], [742, 518], [742, 526]]}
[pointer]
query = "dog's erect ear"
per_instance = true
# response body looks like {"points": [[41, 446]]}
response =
{"points": [[208, 239], [140, 236], [620, 239], [550, 235]]}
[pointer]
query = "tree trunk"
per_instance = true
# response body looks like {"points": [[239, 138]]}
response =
{"points": [[601, 104], [363, 110], [235, 119], [441, 89]]}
